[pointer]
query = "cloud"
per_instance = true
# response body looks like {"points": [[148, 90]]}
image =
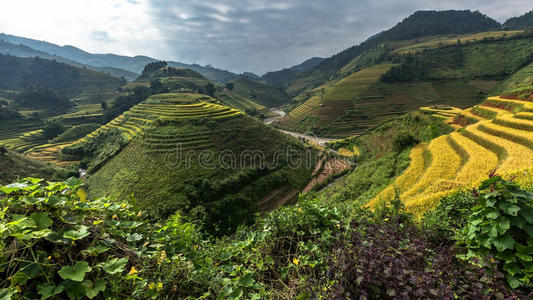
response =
{"points": [[258, 36], [101, 36], [238, 35]]}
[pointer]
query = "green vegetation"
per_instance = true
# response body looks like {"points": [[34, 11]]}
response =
{"points": [[43, 99], [19, 73], [260, 93], [75, 133], [171, 157], [522, 22], [418, 25], [74, 247], [502, 225], [52, 129], [384, 154], [14, 166]]}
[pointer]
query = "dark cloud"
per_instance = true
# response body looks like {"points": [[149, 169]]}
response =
{"points": [[258, 36]]}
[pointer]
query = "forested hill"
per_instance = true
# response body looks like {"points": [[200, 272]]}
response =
{"points": [[19, 73], [523, 22], [419, 24], [24, 51], [132, 64]]}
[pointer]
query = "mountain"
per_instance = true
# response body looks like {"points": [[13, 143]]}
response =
{"points": [[308, 64], [19, 73], [188, 152], [522, 22], [418, 25], [279, 78], [401, 69], [26, 52], [244, 94], [132, 64]]}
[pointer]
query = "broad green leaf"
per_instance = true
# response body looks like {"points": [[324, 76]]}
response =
{"points": [[246, 280], [73, 182], [502, 243], [527, 214], [49, 291], [524, 257], [512, 281], [510, 208], [76, 273], [115, 265], [75, 290], [493, 214], [97, 250], [503, 225], [512, 268], [41, 219], [79, 232], [92, 290], [134, 237], [22, 222]]}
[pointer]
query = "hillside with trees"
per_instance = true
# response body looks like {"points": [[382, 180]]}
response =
{"points": [[20, 73], [523, 22]]}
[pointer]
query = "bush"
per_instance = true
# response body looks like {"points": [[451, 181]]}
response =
{"points": [[52, 129], [389, 257], [403, 141], [3, 150], [54, 243], [501, 225]]}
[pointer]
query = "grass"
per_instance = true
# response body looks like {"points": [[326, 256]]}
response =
{"points": [[435, 42]]}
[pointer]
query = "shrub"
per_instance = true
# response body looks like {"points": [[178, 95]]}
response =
{"points": [[52, 129], [403, 141], [55, 243], [501, 225], [389, 257]]}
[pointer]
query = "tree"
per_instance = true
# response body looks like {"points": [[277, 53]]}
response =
{"points": [[230, 86], [156, 86], [210, 89], [52, 129], [152, 67], [103, 104]]}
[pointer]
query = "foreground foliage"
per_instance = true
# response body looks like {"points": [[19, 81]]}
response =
{"points": [[56, 243]]}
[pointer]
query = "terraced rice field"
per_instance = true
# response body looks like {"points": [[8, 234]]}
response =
{"points": [[336, 103], [20, 137], [443, 113], [165, 107], [461, 160], [49, 153]]}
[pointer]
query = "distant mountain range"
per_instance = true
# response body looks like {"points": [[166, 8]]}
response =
{"points": [[116, 65], [419, 24]]}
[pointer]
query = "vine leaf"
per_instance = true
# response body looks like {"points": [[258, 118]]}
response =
{"points": [[76, 273]]}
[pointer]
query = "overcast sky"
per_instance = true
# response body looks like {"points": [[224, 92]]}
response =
{"points": [[238, 35]]}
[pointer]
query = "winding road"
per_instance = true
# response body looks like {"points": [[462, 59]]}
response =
{"points": [[321, 141]]}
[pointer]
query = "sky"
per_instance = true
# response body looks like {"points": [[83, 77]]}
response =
{"points": [[237, 35]]}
